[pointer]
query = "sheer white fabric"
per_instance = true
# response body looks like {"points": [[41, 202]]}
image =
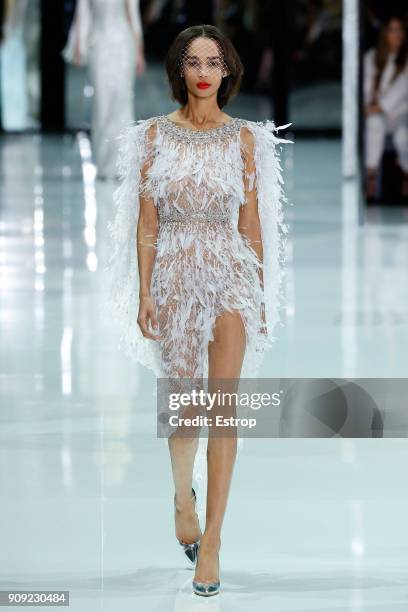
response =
{"points": [[203, 264], [105, 33]]}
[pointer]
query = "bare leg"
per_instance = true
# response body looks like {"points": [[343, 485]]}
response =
{"points": [[183, 448], [225, 356], [183, 443]]}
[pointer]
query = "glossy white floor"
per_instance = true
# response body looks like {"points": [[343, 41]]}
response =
{"points": [[312, 524]]}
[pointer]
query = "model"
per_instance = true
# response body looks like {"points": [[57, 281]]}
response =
{"points": [[386, 101], [200, 293], [106, 35]]}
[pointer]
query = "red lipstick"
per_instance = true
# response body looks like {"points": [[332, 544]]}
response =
{"points": [[203, 85]]}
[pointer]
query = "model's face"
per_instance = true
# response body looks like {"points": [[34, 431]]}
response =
{"points": [[395, 34], [203, 67]]}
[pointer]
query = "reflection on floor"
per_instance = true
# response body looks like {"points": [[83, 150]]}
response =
{"points": [[316, 524]]}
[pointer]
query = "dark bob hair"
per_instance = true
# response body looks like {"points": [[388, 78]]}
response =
{"points": [[230, 84]]}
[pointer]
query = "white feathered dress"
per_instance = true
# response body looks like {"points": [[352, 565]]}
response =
{"points": [[203, 264]]}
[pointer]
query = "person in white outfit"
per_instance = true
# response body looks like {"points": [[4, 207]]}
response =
{"points": [[107, 36], [386, 101]]}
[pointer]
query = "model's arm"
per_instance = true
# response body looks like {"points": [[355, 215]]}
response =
{"points": [[248, 221], [146, 236], [82, 13], [133, 13]]}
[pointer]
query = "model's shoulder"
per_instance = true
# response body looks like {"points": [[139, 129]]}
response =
{"points": [[246, 130]]}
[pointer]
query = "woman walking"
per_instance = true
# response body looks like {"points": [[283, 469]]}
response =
{"points": [[202, 194], [107, 36]]}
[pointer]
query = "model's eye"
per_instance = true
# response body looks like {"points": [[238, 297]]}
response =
{"points": [[192, 63], [215, 64]]}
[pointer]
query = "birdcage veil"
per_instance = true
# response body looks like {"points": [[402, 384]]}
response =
{"points": [[202, 56]]}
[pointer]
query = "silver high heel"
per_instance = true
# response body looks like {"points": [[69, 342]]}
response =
{"points": [[206, 588], [191, 550]]}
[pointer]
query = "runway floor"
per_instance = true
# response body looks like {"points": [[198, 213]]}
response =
{"points": [[313, 524]]}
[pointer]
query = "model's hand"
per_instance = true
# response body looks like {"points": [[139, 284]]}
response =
{"points": [[140, 63], [371, 109], [147, 314], [77, 55]]}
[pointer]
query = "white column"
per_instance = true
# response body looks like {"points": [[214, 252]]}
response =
{"points": [[350, 87]]}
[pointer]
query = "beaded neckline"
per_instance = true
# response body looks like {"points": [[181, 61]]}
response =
{"points": [[191, 134], [181, 127]]}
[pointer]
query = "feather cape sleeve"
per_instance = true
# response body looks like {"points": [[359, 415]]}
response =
{"points": [[271, 198], [121, 275]]}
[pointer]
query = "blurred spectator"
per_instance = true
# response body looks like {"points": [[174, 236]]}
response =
{"points": [[386, 101]]}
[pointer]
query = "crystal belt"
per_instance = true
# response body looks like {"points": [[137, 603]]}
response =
{"points": [[206, 217]]}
